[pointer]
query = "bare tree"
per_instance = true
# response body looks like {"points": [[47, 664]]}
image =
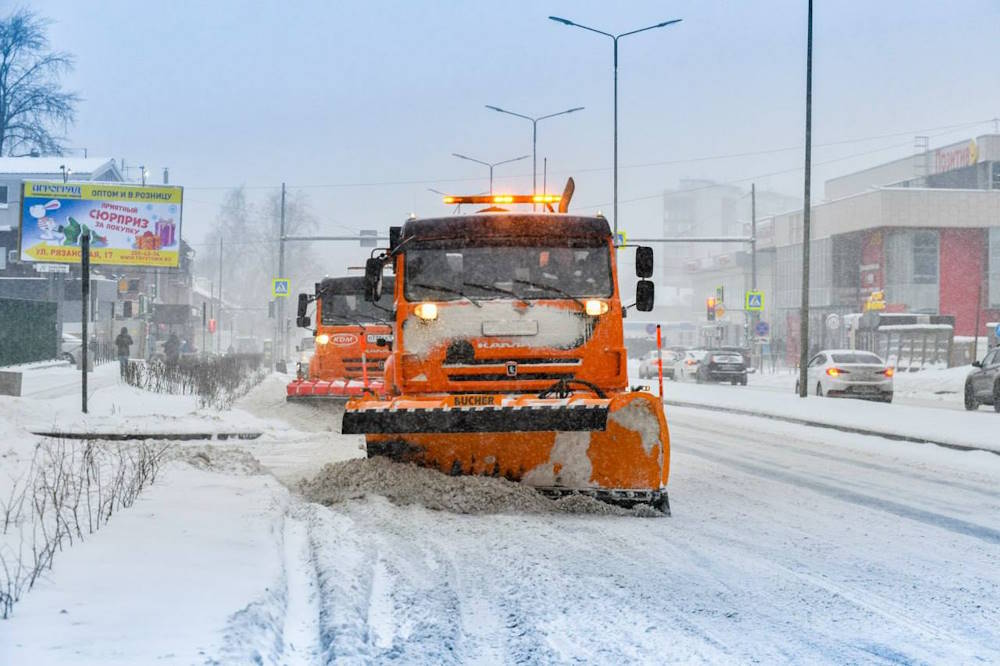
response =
{"points": [[32, 102]]}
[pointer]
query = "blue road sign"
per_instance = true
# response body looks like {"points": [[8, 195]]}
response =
{"points": [[997, 331], [279, 287], [762, 328], [650, 329], [754, 301]]}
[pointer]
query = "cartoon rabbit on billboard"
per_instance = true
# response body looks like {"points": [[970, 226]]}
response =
{"points": [[51, 231]]}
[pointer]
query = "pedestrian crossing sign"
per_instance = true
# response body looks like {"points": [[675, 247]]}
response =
{"points": [[754, 301], [621, 239], [279, 287]]}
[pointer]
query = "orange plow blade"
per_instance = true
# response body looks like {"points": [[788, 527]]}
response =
{"points": [[616, 449]]}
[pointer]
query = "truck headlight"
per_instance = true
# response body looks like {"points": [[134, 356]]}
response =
{"points": [[426, 311], [322, 338], [594, 307]]}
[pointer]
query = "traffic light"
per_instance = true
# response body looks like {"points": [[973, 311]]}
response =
{"points": [[211, 326], [720, 294], [710, 304]]}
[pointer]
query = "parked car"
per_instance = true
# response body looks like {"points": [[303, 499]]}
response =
{"points": [[71, 348], [982, 386], [849, 373], [686, 365], [722, 366], [648, 366]]}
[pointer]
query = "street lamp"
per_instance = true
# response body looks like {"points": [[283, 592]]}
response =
{"points": [[143, 173], [66, 173], [534, 137], [615, 39], [491, 164]]}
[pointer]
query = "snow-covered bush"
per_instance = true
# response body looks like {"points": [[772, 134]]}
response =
{"points": [[70, 489]]}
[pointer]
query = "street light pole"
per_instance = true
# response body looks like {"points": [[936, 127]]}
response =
{"points": [[491, 164], [614, 39], [804, 311], [534, 136]]}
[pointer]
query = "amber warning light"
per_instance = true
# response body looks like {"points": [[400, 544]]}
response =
{"points": [[505, 199]]}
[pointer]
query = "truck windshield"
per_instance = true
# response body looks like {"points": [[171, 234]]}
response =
{"points": [[500, 272], [343, 309]]}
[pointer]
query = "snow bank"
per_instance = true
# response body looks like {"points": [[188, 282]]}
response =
{"points": [[405, 484]]}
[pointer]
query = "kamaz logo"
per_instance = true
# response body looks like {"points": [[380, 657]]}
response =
{"points": [[495, 345], [511, 369]]}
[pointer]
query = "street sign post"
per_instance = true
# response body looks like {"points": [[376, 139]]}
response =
{"points": [[754, 301], [279, 287], [52, 268]]}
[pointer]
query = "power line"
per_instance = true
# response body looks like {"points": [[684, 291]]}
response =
{"points": [[754, 177], [644, 165]]}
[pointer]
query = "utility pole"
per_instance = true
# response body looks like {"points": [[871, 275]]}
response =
{"points": [[218, 347], [84, 313], [804, 311], [281, 270], [753, 256]]}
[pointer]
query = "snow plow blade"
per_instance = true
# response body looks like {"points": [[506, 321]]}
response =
{"points": [[615, 449], [338, 390], [478, 413]]}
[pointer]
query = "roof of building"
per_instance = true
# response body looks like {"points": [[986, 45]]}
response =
{"points": [[80, 167]]}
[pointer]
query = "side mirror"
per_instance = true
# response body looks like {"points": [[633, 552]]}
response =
{"points": [[977, 364], [395, 235], [643, 295], [644, 262], [303, 322], [373, 279], [303, 305]]}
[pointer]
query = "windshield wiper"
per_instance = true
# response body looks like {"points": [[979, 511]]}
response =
{"points": [[500, 290], [550, 287], [447, 290]]}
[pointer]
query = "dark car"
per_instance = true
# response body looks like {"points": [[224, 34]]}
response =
{"points": [[722, 366], [982, 386]]}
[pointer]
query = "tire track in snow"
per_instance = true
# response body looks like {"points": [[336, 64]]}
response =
{"points": [[955, 525], [300, 632], [818, 450]]}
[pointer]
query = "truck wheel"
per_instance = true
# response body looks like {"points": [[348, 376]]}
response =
{"points": [[971, 404]]}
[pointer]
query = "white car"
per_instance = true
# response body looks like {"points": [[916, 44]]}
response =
{"points": [[71, 348], [849, 373], [648, 366], [686, 365]]}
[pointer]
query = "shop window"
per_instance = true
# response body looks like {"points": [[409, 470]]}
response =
{"points": [[925, 257]]}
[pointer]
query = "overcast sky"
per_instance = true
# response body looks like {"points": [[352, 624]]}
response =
{"points": [[362, 103]]}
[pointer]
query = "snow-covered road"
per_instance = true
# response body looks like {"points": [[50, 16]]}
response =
{"points": [[787, 544]]}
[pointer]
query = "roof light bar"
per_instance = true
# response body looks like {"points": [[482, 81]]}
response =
{"points": [[504, 199]]}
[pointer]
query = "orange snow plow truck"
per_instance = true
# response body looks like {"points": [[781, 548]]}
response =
{"points": [[508, 357], [352, 342]]}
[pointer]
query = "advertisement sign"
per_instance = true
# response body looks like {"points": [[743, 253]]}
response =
{"points": [[129, 225]]}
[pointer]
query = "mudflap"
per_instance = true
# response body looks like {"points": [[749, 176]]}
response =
{"points": [[627, 462]]}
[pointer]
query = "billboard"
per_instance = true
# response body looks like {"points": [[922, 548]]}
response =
{"points": [[129, 225]]}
